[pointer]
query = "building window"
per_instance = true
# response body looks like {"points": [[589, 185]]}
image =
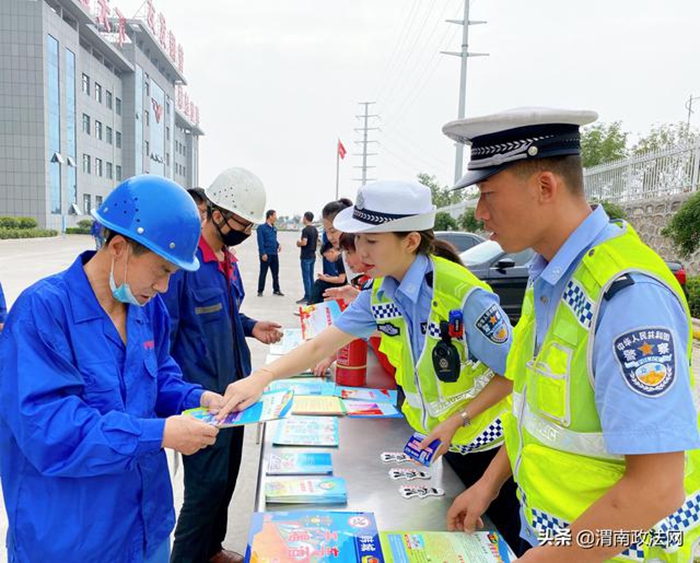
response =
{"points": [[98, 93], [184, 171], [71, 126], [108, 135], [98, 167], [167, 106], [54, 125], [118, 106], [147, 86], [118, 140], [148, 149], [108, 170], [86, 84], [167, 133], [86, 163], [87, 207], [119, 173], [146, 117], [86, 123], [98, 130], [167, 159], [108, 99], [98, 201]]}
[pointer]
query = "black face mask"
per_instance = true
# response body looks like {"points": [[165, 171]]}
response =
{"points": [[232, 238]]}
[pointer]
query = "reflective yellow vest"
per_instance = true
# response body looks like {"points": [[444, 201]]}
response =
{"points": [[429, 401], [553, 434]]}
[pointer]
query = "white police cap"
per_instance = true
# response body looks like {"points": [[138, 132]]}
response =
{"points": [[501, 139], [388, 206]]}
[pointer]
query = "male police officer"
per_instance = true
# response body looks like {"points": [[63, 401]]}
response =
{"points": [[603, 434], [209, 342], [91, 395]]}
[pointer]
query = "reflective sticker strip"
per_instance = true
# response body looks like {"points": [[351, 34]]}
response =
{"points": [[584, 443], [685, 517], [577, 300], [208, 309]]}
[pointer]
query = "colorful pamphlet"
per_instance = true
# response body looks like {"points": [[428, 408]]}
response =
{"points": [[306, 386], [314, 536], [307, 431], [292, 338], [366, 409], [418, 547], [316, 318], [271, 406], [367, 394], [300, 464], [306, 490], [318, 406]]}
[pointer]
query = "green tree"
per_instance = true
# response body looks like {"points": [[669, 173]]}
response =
{"points": [[442, 195], [445, 222], [665, 136], [603, 142], [613, 210], [684, 227], [468, 222]]}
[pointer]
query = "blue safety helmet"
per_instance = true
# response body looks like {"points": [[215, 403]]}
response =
{"points": [[157, 213]]}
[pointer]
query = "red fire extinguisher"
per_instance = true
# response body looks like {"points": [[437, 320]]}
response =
{"points": [[351, 365]]}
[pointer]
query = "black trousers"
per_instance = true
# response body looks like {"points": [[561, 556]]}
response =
{"points": [[504, 512], [273, 264], [210, 478], [319, 288]]}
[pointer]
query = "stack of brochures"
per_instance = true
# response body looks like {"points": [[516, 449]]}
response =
{"points": [[314, 535], [306, 490], [311, 463], [316, 405], [307, 431]]}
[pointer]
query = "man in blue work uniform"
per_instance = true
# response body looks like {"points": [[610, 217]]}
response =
{"points": [[209, 342], [91, 395], [602, 391], [268, 249]]}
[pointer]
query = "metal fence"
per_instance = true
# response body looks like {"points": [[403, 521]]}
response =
{"points": [[660, 174]]}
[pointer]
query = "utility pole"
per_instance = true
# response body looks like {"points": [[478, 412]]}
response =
{"points": [[689, 107], [365, 129], [464, 54]]}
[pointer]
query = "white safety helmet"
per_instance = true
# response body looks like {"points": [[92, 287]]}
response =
{"points": [[241, 192]]}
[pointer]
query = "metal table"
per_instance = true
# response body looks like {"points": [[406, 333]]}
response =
{"points": [[357, 460]]}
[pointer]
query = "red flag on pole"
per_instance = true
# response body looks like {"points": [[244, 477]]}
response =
{"points": [[341, 150]]}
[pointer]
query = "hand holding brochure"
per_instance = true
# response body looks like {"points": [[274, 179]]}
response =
{"points": [[316, 318], [271, 406]]}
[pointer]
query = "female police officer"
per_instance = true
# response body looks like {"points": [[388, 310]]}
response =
{"points": [[441, 328]]}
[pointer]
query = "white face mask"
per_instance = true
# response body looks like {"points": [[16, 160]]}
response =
{"points": [[123, 292]]}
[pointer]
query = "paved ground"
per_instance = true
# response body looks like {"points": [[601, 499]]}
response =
{"points": [[23, 262]]}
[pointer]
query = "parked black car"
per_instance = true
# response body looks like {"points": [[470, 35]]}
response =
{"points": [[461, 241], [507, 273]]}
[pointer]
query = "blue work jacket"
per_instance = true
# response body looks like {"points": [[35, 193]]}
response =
{"points": [[81, 424], [208, 331], [267, 239]]}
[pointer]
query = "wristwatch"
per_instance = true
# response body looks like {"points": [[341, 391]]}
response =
{"points": [[466, 421]]}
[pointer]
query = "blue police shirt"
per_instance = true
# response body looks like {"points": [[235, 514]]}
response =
{"points": [[413, 296], [208, 332], [634, 420], [267, 239], [3, 306], [83, 473]]}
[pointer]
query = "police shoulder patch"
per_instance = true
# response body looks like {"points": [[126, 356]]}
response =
{"points": [[492, 324], [389, 329], [647, 360]]}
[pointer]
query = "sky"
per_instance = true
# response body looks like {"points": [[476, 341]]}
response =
{"points": [[278, 82]]}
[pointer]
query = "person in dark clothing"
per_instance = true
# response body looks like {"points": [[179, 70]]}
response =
{"points": [[268, 249], [307, 256], [208, 341], [324, 282]]}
